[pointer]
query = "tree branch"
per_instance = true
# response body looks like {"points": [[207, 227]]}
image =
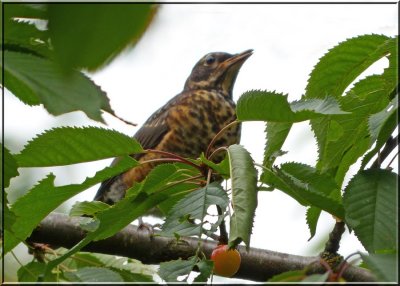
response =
{"points": [[390, 145], [257, 264]]}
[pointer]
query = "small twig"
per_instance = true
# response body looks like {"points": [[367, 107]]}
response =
{"points": [[220, 149], [390, 144], [391, 161], [219, 135]]}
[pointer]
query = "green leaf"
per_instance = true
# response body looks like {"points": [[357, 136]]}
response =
{"points": [[371, 209], [129, 269], [10, 167], [27, 11], [97, 274], [271, 106], [171, 270], [312, 217], [33, 272], [169, 179], [316, 182], [283, 183], [36, 80], [341, 65], [128, 209], [316, 277], [181, 219], [26, 38], [205, 269], [70, 145], [97, 33], [384, 266], [276, 134], [377, 121], [87, 208], [303, 192], [244, 195], [343, 139], [222, 168], [381, 127], [43, 198]]}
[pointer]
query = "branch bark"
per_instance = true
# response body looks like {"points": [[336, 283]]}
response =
{"points": [[256, 264]]}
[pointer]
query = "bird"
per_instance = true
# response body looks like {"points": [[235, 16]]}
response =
{"points": [[187, 123]]}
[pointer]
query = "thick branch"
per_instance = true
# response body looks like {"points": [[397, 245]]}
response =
{"points": [[256, 265]]}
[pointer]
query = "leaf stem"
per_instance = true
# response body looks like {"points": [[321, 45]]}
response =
{"points": [[175, 156], [219, 135]]}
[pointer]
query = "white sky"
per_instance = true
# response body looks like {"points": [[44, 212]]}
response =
{"points": [[287, 40]]}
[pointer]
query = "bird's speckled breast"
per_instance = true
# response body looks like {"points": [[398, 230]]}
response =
{"points": [[196, 119]]}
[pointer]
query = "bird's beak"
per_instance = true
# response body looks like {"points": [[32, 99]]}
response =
{"points": [[237, 59], [229, 69]]}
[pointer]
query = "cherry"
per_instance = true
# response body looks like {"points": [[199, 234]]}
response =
{"points": [[226, 261]]}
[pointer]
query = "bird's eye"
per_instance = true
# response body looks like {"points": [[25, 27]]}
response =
{"points": [[210, 59]]}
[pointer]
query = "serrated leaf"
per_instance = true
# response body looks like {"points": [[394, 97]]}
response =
{"points": [[128, 209], [169, 179], [87, 208], [384, 266], [130, 270], [381, 125], [371, 210], [71, 145], [36, 80], [205, 269], [222, 168], [10, 167], [97, 274], [322, 183], [75, 49], [335, 71], [25, 37], [244, 195], [180, 220], [343, 139], [171, 270], [38, 202], [316, 181], [272, 106], [302, 192], [32, 271], [282, 183], [340, 66], [312, 217], [276, 134]]}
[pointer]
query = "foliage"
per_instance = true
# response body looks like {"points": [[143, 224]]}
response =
{"points": [[351, 122]]}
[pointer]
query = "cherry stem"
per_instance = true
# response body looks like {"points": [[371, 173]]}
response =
{"points": [[175, 158], [220, 149], [219, 135]]}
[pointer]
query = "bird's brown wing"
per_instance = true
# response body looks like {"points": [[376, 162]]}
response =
{"points": [[149, 136]]}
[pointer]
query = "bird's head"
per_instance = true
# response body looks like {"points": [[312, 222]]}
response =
{"points": [[217, 71]]}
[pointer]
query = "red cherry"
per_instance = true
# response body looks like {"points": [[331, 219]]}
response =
{"points": [[226, 261]]}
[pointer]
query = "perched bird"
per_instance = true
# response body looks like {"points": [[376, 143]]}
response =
{"points": [[187, 123]]}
